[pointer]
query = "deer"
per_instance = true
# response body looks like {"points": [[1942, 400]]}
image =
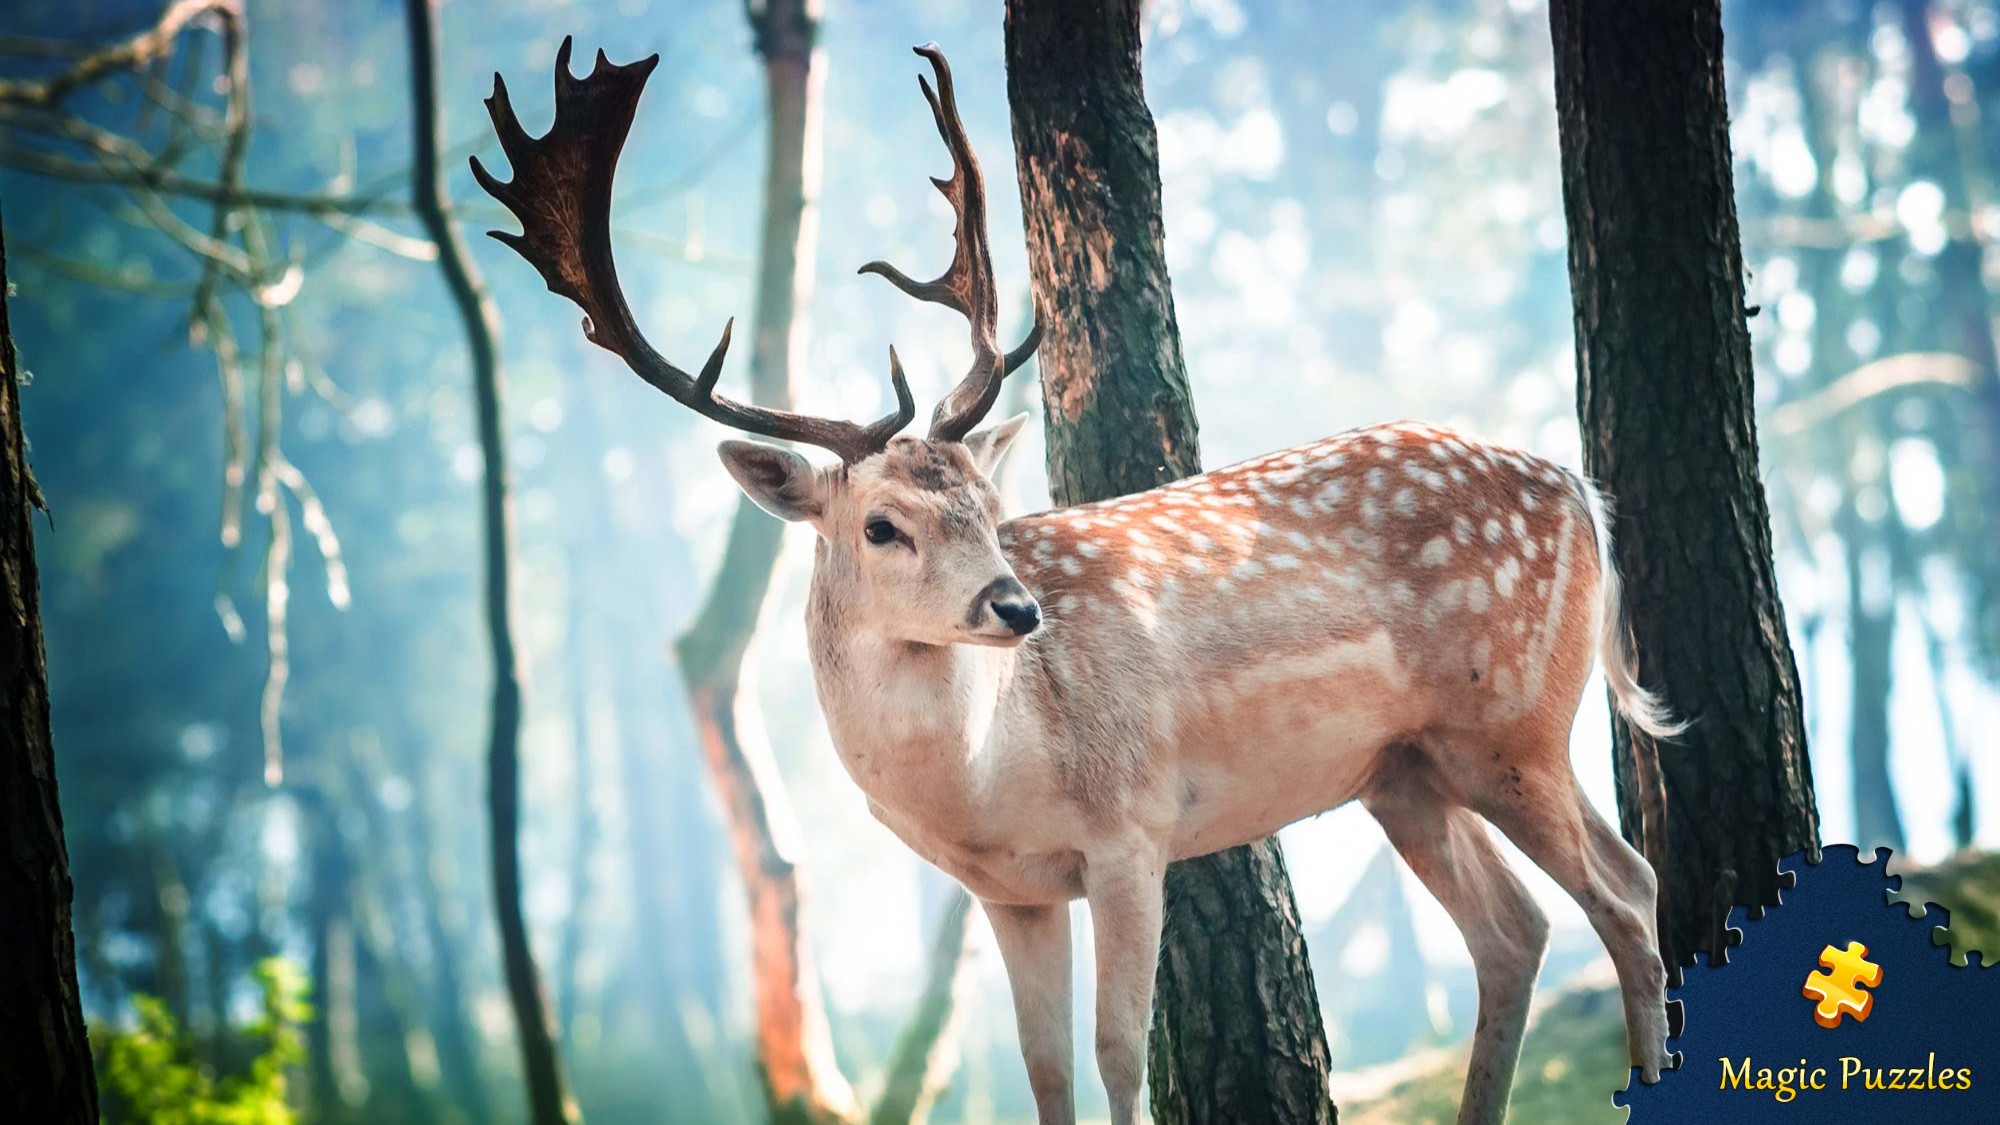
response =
{"points": [[1055, 707]]}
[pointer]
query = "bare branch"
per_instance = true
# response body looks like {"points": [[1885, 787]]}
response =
{"points": [[130, 55], [1891, 373]]}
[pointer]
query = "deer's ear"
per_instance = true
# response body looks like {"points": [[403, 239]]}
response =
{"points": [[777, 480], [989, 445]]}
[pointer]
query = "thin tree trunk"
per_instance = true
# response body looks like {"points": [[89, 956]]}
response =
{"points": [[46, 1073], [1665, 400], [1236, 1028], [668, 824], [926, 1051], [1947, 151], [443, 910], [580, 676], [801, 1078], [339, 1088], [1871, 631], [548, 1098]]}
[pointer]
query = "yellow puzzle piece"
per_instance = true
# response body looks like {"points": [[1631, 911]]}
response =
{"points": [[1838, 989]]}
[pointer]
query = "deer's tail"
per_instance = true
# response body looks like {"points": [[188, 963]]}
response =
{"points": [[1642, 708]]}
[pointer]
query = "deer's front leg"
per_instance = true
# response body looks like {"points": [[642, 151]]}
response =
{"points": [[1034, 945], [1125, 892]]}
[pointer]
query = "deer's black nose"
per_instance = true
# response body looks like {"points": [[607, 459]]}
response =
{"points": [[1013, 605]]}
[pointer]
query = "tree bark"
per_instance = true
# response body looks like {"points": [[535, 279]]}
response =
{"points": [[548, 1099], [46, 1073], [1664, 395], [1236, 1027]]}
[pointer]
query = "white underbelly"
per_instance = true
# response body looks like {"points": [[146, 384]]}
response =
{"points": [[1288, 738]]}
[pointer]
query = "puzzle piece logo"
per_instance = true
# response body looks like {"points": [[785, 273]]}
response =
{"points": [[1838, 990]]}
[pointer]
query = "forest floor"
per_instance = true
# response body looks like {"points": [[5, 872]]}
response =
{"points": [[1574, 1053]]}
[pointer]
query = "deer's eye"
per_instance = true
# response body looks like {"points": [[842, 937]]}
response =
{"points": [[880, 532]]}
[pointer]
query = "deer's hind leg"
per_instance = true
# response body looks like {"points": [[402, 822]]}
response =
{"points": [[1451, 851], [1548, 817]]}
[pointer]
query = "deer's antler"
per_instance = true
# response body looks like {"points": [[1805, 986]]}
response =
{"points": [[561, 192], [966, 286]]}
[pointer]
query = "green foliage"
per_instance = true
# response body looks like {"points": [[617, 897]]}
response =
{"points": [[151, 1076], [1571, 1061], [1968, 885]]}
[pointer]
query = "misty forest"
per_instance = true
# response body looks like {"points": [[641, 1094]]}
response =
{"points": [[409, 720]]}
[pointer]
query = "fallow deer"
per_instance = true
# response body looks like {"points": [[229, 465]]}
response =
{"points": [[1058, 706]]}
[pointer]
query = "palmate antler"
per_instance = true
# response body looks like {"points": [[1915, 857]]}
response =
{"points": [[966, 285], [561, 192]]}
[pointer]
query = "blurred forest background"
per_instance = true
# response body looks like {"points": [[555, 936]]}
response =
{"points": [[261, 571]]}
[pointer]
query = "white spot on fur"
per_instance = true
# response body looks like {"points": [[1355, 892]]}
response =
{"points": [[1088, 549], [1493, 531], [1477, 599], [1406, 502], [1437, 552], [1248, 568]]}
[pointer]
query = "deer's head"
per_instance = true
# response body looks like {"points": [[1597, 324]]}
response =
{"points": [[909, 537], [908, 526]]}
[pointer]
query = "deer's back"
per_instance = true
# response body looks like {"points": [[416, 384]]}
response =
{"points": [[1256, 634]]}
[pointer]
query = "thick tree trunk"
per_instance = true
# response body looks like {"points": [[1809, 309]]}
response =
{"points": [[45, 1067], [1236, 1029], [794, 1045], [1665, 400], [548, 1098]]}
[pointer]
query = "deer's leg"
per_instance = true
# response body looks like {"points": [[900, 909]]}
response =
{"points": [[1553, 822], [1449, 848], [1034, 945], [1126, 895]]}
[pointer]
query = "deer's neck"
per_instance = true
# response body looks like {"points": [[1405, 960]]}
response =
{"points": [[920, 727]]}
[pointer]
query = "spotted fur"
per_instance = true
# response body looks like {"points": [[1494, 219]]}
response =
{"points": [[1398, 614]]}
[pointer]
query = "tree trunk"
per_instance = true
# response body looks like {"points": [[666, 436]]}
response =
{"points": [[1949, 137], [916, 1073], [1871, 632], [548, 1099], [795, 1055], [444, 912], [1665, 399], [45, 1067], [1236, 1027]]}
